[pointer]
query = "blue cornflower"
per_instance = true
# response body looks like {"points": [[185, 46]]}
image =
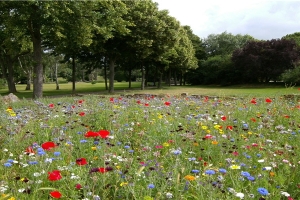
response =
{"points": [[151, 186], [223, 171], [258, 155], [210, 172], [33, 162], [177, 151], [40, 151], [83, 141], [195, 171], [7, 164], [96, 142], [131, 151], [250, 178], [192, 159], [57, 153], [263, 191], [127, 147], [245, 174], [10, 160]]}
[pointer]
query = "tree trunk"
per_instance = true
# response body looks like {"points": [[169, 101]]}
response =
{"points": [[56, 80], [10, 79], [105, 74], [180, 79], [143, 78], [8, 73], [111, 75], [175, 78], [169, 77], [129, 81], [35, 29], [28, 83], [159, 85], [73, 75]]}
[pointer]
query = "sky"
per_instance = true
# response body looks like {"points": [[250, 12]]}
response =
{"points": [[262, 19]]}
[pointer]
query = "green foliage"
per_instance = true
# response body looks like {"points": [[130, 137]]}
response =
{"points": [[225, 43], [291, 76], [213, 70]]}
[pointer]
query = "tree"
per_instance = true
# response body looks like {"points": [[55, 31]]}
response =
{"points": [[295, 37], [262, 61], [224, 43], [14, 43]]}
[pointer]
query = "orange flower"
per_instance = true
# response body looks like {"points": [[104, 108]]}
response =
{"points": [[214, 142], [272, 174], [190, 178]]}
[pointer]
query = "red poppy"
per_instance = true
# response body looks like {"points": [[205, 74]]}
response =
{"points": [[146, 104], [29, 150], [103, 133], [223, 118], [235, 153], [73, 106], [229, 127], [253, 119], [286, 116], [80, 101], [253, 101], [78, 186], [81, 161], [111, 99], [268, 100], [81, 114], [138, 101], [167, 103], [91, 134], [208, 136], [54, 175], [48, 145], [51, 105], [55, 194], [205, 99], [102, 170]]}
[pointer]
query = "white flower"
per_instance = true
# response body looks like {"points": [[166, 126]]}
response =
{"points": [[267, 168], [21, 190], [285, 194], [36, 174], [240, 195], [169, 195], [261, 161]]}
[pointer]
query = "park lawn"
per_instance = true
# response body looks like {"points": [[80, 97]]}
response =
{"points": [[122, 88]]}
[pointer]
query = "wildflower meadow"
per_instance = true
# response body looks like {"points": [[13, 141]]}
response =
{"points": [[150, 147]]}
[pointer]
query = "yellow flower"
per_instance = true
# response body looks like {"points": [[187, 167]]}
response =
{"points": [[118, 167], [235, 167], [208, 131], [95, 158], [166, 144], [12, 198], [250, 133], [217, 126], [123, 184], [190, 178], [195, 144], [94, 148], [204, 127]]}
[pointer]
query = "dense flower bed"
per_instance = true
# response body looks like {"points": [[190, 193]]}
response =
{"points": [[150, 148]]}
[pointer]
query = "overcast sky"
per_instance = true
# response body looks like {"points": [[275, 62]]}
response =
{"points": [[262, 19]]}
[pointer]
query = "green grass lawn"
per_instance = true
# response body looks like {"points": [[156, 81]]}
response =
{"points": [[122, 88]]}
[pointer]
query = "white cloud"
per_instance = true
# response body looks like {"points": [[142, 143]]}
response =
{"points": [[262, 19]]}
